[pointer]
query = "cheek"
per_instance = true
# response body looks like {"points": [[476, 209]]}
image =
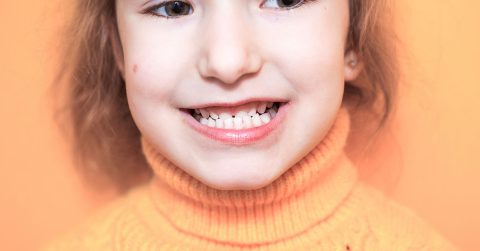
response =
{"points": [[150, 87], [147, 78], [317, 65], [155, 64], [146, 81], [309, 52]]}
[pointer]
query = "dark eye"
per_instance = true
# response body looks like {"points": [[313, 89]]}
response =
{"points": [[171, 9], [282, 4]]}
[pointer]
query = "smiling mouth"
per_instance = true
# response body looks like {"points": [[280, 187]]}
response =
{"points": [[251, 115], [238, 125]]}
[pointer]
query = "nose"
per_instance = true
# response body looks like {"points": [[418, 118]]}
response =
{"points": [[228, 51]]}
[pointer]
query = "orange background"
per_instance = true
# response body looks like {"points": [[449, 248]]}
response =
{"points": [[436, 131]]}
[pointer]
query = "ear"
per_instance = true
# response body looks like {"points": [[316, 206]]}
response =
{"points": [[353, 65]]}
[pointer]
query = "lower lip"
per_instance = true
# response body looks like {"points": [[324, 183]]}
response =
{"points": [[239, 137]]}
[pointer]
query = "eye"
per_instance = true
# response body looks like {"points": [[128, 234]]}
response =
{"points": [[170, 9], [283, 4]]}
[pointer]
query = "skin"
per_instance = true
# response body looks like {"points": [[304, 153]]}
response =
{"points": [[226, 51]]}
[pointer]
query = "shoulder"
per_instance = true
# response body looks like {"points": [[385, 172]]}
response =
{"points": [[97, 232], [392, 226]]}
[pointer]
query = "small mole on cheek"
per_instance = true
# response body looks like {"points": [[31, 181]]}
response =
{"points": [[135, 68]]}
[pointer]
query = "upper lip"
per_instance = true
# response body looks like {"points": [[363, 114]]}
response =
{"points": [[237, 103]]}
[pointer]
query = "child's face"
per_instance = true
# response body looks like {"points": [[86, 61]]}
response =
{"points": [[222, 53]]}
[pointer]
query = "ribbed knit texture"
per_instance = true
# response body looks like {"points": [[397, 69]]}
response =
{"points": [[317, 204]]}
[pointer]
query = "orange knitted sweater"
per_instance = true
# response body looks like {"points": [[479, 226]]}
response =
{"points": [[317, 204]]}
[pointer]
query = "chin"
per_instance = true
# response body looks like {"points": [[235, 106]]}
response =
{"points": [[243, 185], [244, 179]]}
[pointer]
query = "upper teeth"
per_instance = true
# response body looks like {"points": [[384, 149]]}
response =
{"points": [[246, 117]]}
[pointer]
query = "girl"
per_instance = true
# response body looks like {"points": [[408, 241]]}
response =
{"points": [[230, 119]]}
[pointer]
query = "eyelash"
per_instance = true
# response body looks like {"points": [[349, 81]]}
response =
{"points": [[151, 10]]}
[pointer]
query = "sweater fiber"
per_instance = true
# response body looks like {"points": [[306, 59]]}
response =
{"points": [[317, 204]]}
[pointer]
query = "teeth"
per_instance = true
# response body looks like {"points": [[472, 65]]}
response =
{"points": [[237, 121], [213, 115], [228, 123], [197, 117], [265, 118], [240, 114], [255, 117], [256, 120], [219, 123], [224, 116], [262, 107], [204, 113], [247, 122], [272, 113], [211, 122]]}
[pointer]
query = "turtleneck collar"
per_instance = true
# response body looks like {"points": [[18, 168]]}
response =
{"points": [[302, 198]]}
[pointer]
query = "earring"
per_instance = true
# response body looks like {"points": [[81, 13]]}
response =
{"points": [[353, 63]]}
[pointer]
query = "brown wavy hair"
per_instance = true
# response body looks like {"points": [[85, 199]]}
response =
{"points": [[95, 116]]}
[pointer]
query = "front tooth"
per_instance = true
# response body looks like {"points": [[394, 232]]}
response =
{"points": [[204, 121], [211, 122], [204, 113], [256, 120], [240, 114], [219, 123], [269, 104], [214, 115], [265, 118], [225, 116], [247, 122], [262, 107], [252, 111], [228, 123], [237, 121]]}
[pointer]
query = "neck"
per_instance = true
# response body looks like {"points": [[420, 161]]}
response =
{"points": [[300, 199]]}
